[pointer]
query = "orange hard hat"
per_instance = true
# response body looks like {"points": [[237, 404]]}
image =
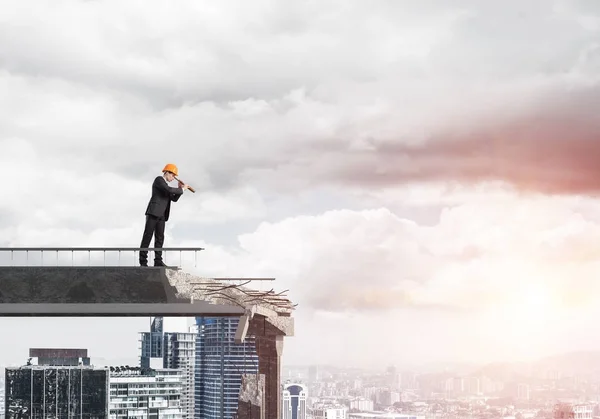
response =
{"points": [[171, 168]]}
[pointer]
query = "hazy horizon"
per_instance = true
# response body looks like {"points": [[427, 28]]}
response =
{"points": [[100, 335]]}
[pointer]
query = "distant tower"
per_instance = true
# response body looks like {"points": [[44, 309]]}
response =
{"points": [[523, 392], [391, 377], [313, 374], [294, 401]]}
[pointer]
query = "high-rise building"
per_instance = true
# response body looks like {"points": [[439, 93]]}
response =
{"points": [[523, 392], [145, 393], [220, 363], [1, 397], [360, 404], [171, 350], [61, 384], [388, 398], [408, 380], [179, 352], [474, 386], [392, 378], [313, 374], [40, 391], [152, 343], [458, 385], [294, 401]]}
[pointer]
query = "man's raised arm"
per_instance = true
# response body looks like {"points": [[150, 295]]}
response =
{"points": [[161, 184]]}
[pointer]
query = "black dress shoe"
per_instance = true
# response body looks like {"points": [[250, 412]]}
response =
{"points": [[144, 264], [160, 263]]}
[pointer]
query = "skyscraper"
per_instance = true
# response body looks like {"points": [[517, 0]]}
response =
{"points": [[294, 401], [59, 386], [171, 350], [220, 363], [152, 343], [179, 352]]}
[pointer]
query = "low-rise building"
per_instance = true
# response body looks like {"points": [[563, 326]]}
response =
{"points": [[574, 411], [383, 415], [142, 393], [330, 412]]}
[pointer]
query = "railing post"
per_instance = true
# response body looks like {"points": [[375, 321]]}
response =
{"points": [[89, 250]]}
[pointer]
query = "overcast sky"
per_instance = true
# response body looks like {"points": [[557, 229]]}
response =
{"points": [[424, 178]]}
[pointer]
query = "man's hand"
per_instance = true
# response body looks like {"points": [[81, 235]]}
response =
{"points": [[183, 185]]}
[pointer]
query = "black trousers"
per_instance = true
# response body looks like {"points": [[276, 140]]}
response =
{"points": [[155, 226]]}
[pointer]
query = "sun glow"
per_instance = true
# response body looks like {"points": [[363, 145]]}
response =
{"points": [[533, 305], [521, 322]]}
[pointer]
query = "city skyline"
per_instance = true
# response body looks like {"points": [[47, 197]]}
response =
{"points": [[540, 393], [422, 177], [130, 348], [565, 382]]}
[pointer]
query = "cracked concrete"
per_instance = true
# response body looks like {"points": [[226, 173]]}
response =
{"points": [[197, 288]]}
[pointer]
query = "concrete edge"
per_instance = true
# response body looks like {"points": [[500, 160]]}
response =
{"points": [[200, 308]]}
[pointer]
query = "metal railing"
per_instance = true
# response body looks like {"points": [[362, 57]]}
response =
{"points": [[13, 256]]}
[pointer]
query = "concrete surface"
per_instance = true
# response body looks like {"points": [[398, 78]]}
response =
{"points": [[98, 291]]}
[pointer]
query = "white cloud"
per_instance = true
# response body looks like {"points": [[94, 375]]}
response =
{"points": [[272, 111], [264, 94], [217, 208], [512, 264], [477, 254]]}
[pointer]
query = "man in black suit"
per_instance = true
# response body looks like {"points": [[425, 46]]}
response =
{"points": [[157, 212]]}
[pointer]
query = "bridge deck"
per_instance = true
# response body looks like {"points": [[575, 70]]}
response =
{"points": [[98, 291]]}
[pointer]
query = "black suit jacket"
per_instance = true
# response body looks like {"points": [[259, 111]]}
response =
{"points": [[162, 195]]}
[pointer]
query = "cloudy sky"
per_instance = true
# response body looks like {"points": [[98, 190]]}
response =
{"points": [[423, 178]]}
